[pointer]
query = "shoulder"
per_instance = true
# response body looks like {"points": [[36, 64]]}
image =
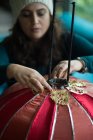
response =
{"points": [[65, 39], [4, 59], [5, 44], [67, 36]]}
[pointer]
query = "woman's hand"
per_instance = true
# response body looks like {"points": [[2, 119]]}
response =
{"points": [[60, 71], [27, 76]]}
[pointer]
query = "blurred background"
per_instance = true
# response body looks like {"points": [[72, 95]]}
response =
{"points": [[83, 23], [83, 17], [84, 8]]}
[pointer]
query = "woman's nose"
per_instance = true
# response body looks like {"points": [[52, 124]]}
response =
{"points": [[35, 19]]}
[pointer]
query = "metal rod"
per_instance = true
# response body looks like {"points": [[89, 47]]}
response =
{"points": [[52, 38], [71, 39]]}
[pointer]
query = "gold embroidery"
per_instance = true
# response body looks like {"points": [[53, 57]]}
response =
{"points": [[60, 97]]}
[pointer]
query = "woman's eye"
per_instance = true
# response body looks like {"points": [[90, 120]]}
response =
{"points": [[25, 14], [41, 13]]}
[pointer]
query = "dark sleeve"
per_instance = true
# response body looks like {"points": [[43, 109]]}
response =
{"points": [[84, 49], [81, 46], [3, 76], [4, 62], [88, 62]]}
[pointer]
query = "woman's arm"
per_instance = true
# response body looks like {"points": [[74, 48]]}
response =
{"points": [[81, 48], [28, 77], [88, 62], [83, 64], [84, 49]]}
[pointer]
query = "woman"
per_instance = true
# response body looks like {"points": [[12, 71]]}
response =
{"points": [[28, 47], [25, 56]]}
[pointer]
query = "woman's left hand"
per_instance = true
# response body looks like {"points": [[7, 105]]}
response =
{"points": [[60, 71]]}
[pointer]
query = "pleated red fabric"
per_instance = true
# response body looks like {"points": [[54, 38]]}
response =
{"points": [[28, 116]]}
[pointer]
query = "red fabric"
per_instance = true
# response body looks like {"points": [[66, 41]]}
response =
{"points": [[24, 118], [86, 101], [40, 129], [7, 97], [13, 105], [83, 128], [63, 128], [52, 122]]}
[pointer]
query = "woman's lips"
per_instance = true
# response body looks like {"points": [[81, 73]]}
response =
{"points": [[35, 29]]}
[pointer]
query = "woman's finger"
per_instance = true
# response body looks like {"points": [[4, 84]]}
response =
{"points": [[58, 72], [37, 84], [46, 85], [30, 85], [54, 74]]}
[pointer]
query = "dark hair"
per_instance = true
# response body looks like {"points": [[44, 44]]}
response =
{"points": [[28, 54]]}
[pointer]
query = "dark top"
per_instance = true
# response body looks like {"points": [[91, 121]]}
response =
{"points": [[81, 48]]}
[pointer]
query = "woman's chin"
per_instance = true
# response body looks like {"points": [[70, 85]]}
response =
{"points": [[36, 38]]}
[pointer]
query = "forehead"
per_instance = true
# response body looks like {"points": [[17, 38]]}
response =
{"points": [[35, 6]]}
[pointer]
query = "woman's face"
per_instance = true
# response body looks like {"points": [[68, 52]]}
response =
{"points": [[35, 20]]}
